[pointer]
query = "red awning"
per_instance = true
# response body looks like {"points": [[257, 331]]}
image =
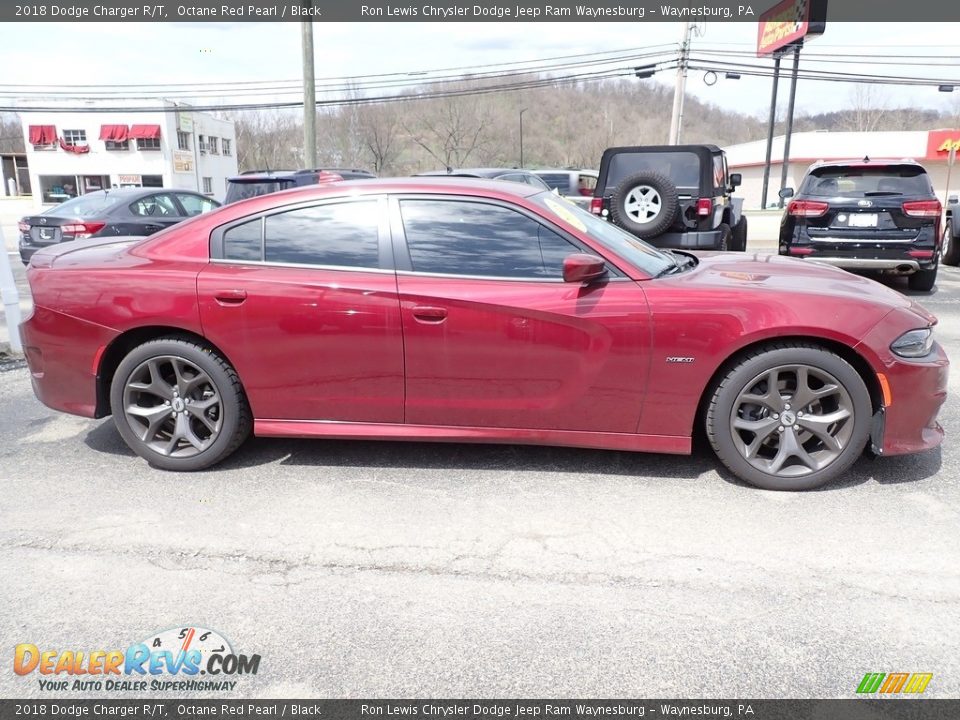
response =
{"points": [[43, 134], [78, 149], [114, 133], [144, 132]]}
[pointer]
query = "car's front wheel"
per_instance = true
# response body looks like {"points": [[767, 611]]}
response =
{"points": [[789, 417], [179, 405]]}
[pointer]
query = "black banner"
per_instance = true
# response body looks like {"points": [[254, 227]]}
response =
{"points": [[167, 709], [463, 11]]}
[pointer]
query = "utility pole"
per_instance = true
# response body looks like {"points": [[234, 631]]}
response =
{"points": [[676, 119], [309, 94], [521, 136]]}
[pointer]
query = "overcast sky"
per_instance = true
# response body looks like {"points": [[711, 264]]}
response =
{"points": [[117, 53]]}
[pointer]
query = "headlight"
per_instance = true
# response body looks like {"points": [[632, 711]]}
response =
{"points": [[913, 344]]}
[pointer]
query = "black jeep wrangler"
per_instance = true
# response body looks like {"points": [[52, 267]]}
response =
{"points": [[672, 196]]}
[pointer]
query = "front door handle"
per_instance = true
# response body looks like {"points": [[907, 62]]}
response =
{"points": [[429, 314], [230, 298]]}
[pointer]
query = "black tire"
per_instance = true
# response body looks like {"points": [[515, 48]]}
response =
{"points": [[215, 384], [950, 249], [844, 391], [923, 280], [726, 238], [631, 189], [739, 241]]}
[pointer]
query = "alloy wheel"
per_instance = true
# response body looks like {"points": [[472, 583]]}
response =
{"points": [[792, 420], [173, 406]]}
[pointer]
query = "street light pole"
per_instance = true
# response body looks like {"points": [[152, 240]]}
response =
{"points": [[521, 136]]}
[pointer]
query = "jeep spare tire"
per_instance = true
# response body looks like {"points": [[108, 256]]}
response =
{"points": [[644, 204]]}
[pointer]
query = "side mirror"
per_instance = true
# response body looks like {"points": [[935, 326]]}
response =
{"points": [[583, 268], [786, 193], [952, 200], [736, 180]]}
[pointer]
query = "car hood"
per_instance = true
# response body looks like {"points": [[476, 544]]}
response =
{"points": [[817, 282]]}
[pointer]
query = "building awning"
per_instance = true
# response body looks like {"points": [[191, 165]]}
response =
{"points": [[43, 134], [145, 132], [114, 133]]}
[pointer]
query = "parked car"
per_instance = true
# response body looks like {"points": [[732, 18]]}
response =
{"points": [[466, 310], [254, 183], [672, 196], [866, 215], [577, 186], [950, 244], [509, 174], [106, 213]]}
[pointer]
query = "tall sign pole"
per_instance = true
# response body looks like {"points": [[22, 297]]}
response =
{"points": [[309, 94], [789, 131], [770, 126], [782, 28]]}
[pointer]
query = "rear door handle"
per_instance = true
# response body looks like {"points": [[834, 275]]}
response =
{"points": [[429, 314], [229, 298]]}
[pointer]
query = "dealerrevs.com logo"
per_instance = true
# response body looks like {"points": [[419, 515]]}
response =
{"points": [[182, 659]]}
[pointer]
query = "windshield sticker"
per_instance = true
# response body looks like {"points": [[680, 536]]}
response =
{"points": [[565, 213]]}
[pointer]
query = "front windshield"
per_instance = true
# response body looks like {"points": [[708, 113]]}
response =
{"points": [[644, 256]]}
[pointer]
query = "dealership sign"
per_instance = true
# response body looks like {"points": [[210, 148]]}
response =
{"points": [[787, 23], [941, 142]]}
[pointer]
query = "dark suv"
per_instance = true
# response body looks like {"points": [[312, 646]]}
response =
{"points": [[254, 183], [868, 215], [672, 196]]}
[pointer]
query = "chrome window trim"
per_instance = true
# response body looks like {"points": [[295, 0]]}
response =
{"points": [[264, 263]]}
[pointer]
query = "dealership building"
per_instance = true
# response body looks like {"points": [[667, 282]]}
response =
{"points": [[930, 148], [74, 152]]}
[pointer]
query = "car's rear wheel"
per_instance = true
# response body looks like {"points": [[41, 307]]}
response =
{"points": [[923, 280], [739, 241], [950, 248], [179, 405], [789, 417], [644, 204]]}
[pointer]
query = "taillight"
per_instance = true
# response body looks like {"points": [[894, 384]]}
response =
{"points": [[82, 230], [596, 206], [801, 251], [922, 208], [704, 207], [586, 192], [807, 208], [23, 226]]}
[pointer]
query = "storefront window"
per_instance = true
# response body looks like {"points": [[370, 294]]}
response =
{"points": [[57, 188]]}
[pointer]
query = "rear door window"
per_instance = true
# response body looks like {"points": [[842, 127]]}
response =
{"points": [[338, 234], [155, 206], [196, 204]]}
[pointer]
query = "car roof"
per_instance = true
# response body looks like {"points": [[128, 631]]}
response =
{"points": [[563, 170], [473, 172], [433, 183]]}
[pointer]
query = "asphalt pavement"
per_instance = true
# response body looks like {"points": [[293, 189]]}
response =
{"points": [[360, 569]]}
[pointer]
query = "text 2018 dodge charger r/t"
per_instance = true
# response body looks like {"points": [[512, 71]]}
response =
{"points": [[476, 311]]}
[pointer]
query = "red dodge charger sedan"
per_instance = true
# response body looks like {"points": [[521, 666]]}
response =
{"points": [[475, 311]]}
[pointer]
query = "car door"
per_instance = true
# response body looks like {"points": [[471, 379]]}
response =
{"points": [[303, 301], [493, 337], [150, 214]]}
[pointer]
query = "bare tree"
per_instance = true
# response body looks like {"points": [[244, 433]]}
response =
{"points": [[868, 109], [450, 129], [379, 128]]}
